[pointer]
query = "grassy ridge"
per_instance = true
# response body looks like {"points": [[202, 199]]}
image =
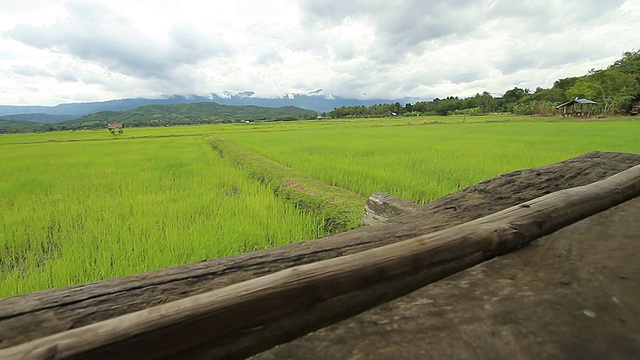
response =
{"points": [[340, 209], [83, 211]]}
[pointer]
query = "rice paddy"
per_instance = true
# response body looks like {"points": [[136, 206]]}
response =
{"points": [[423, 162], [83, 206], [77, 212]]}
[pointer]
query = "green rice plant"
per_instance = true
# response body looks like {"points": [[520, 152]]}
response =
{"points": [[424, 162], [101, 134], [75, 212], [83, 206]]}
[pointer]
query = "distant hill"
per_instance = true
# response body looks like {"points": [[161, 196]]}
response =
{"points": [[80, 109], [17, 126], [313, 100], [184, 114], [38, 118]]}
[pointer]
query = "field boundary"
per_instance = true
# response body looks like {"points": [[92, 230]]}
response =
{"points": [[340, 209]]}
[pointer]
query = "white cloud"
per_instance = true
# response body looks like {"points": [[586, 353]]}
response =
{"points": [[67, 75], [29, 71], [57, 51], [268, 56]]}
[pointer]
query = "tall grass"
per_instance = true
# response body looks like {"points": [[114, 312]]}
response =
{"points": [[83, 211], [424, 162], [75, 208]]}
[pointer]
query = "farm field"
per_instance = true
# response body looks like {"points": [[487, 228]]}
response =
{"points": [[196, 130], [85, 205], [424, 162], [76, 212]]}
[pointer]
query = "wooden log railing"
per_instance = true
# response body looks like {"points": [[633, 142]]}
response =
{"points": [[250, 316]]}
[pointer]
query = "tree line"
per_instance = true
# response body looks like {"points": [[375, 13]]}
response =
{"points": [[616, 89]]}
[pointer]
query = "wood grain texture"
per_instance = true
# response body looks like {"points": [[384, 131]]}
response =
{"points": [[569, 295], [241, 313], [382, 208]]}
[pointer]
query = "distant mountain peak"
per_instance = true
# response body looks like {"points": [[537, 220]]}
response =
{"points": [[316, 100], [230, 94]]}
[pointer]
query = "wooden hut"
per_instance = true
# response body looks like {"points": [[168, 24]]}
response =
{"points": [[115, 128], [577, 107]]}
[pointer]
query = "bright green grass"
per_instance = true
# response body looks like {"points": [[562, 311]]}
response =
{"points": [[83, 206], [302, 125], [76, 212], [424, 162]]}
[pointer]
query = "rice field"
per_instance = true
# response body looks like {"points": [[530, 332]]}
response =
{"points": [[83, 206], [424, 162], [77, 212]]}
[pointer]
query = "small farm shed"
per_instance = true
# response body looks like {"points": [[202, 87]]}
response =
{"points": [[115, 128], [577, 107]]}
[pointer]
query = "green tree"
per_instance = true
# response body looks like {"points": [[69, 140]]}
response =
{"points": [[629, 63], [511, 98], [583, 88], [565, 84], [612, 87]]}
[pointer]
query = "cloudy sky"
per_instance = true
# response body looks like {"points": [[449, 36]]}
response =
{"points": [[56, 51]]}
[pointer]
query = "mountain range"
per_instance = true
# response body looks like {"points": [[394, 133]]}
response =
{"points": [[315, 101], [206, 112], [187, 114]]}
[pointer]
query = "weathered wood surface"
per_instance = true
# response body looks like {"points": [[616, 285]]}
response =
{"points": [[238, 320], [382, 208], [31, 316], [572, 294]]}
